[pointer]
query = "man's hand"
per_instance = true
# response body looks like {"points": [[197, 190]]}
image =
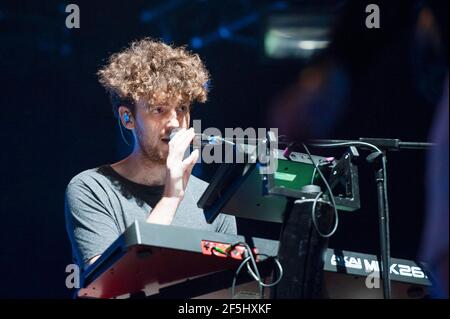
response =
{"points": [[179, 170]]}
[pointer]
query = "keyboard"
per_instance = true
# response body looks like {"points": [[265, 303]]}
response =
{"points": [[150, 258]]}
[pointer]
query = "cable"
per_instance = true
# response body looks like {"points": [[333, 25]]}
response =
{"points": [[280, 270], [252, 258], [221, 251], [385, 196], [313, 213], [321, 162], [386, 207], [347, 144], [230, 140], [383, 161], [312, 177], [255, 272], [336, 217], [236, 274], [121, 132]]}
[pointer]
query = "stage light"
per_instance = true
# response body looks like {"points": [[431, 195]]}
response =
{"points": [[296, 36]]}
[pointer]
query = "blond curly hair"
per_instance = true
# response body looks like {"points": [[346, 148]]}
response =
{"points": [[154, 71]]}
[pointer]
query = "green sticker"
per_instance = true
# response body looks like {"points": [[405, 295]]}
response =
{"points": [[285, 176]]}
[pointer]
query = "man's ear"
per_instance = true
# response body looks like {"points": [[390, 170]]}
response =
{"points": [[126, 117]]}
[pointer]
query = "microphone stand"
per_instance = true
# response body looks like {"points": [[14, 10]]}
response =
{"points": [[380, 177]]}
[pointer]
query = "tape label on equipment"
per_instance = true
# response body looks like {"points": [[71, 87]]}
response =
{"points": [[285, 176]]}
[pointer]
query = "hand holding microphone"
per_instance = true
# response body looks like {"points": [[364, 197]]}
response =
{"points": [[178, 170]]}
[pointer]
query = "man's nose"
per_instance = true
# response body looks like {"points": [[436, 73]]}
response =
{"points": [[173, 120]]}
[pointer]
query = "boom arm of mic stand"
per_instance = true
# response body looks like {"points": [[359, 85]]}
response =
{"points": [[390, 144]]}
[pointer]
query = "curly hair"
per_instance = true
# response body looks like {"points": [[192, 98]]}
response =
{"points": [[154, 71]]}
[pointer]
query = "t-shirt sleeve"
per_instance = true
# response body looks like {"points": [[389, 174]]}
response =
{"points": [[90, 226]]}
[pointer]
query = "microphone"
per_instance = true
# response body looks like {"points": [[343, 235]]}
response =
{"points": [[204, 139]]}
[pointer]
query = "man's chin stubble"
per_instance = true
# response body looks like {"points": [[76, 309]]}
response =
{"points": [[153, 154]]}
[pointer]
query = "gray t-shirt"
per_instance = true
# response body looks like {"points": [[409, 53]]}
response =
{"points": [[100, 205]]}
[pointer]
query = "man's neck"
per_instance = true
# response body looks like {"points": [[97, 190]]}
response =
{"points": [[139, 169]]}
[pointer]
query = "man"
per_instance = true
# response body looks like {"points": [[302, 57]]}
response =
{"points": [[152, 87]]}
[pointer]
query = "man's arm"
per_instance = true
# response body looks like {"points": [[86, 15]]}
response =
{"points": [[164, 211], [90, 225]]}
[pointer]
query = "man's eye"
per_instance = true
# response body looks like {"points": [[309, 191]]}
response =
{"points": [[183, 109], [158, 110]]}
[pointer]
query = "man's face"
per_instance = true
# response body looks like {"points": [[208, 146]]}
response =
{"points": [[153, 125]]}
